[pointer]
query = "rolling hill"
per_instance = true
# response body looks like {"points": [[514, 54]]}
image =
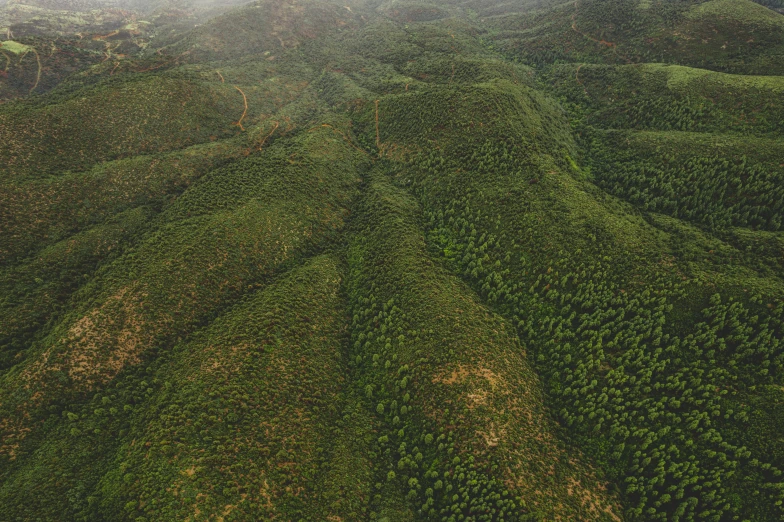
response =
{"points": [[395, 261]]}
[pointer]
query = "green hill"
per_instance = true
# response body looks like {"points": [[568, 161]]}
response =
{"points": [[396, 261], [737, 36]]}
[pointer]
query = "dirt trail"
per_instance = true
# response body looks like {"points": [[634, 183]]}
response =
{"points": [[154, 67], [105, 36], [612, 45], [175, 60], [245, 100], [277, 124], [38, 78], [37, 59], [221, 76]]}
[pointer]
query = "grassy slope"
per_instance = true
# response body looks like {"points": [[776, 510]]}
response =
{"points": [[135, 304], [37, 210], [35, 290], [152, 114], [260, 423]]}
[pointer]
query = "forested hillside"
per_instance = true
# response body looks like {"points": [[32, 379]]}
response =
{"points": [[321, 260]]}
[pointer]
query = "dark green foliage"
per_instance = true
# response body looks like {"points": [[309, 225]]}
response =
{"points": [[615, 373], [672, 98], [712, 186], [398, 261], [445, 376], [189, 267], [642, 363]]}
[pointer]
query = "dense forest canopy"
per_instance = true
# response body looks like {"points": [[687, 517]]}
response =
{"points": [[392, 260]]}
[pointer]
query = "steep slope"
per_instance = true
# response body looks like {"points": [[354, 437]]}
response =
{"points": [[244, 432], [143, 116], [215, 244], [625, 328], [459, 402]]}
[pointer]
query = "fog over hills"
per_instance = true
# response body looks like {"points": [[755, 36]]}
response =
{"points": [[392, 260], [65, 17]]}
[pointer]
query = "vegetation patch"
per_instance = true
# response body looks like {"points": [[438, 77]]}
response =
{"points": [[395, 261]]}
